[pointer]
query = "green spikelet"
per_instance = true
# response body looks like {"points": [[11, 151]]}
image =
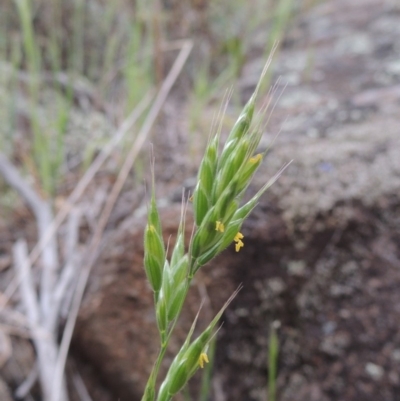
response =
{"points": [[187, 361], [201, 203], [238, 131], [154, 249], [154, 257], [206, 176]]}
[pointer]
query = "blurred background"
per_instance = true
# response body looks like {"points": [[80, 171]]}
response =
{"points": [[90, 89]]}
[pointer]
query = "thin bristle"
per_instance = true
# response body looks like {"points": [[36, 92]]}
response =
{"points": [[275, 104], [265, 69], [184, 206], [274, 139], [274, 178], [227, 98]]}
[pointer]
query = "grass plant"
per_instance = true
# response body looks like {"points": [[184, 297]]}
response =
{"points": [[223, 178]]}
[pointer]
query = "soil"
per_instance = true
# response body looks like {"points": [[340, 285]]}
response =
{"points": [[321, 252]]}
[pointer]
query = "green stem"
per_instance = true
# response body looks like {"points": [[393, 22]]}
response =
{"points": [[149, 392]]}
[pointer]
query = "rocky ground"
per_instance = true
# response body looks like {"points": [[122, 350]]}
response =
{"points": [[321, 251]]}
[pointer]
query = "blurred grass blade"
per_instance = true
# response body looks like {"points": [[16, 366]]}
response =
{"points": [[273, 352]]}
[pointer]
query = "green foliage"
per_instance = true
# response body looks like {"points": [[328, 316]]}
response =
{"points": [[138, 68], [29, 43], [48, 137], [54, 47]]}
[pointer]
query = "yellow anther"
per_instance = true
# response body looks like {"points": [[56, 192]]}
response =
{"points": [[191, 199], [203, 358], [152, 228], [219, 226], [239, 243], [238, 237], [256, 158]]}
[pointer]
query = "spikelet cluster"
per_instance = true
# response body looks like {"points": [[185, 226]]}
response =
{"points": [[222, 180], [190, 358], [223, 177]]}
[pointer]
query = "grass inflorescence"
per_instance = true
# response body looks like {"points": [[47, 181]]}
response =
{"points": [[223, 178]]}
